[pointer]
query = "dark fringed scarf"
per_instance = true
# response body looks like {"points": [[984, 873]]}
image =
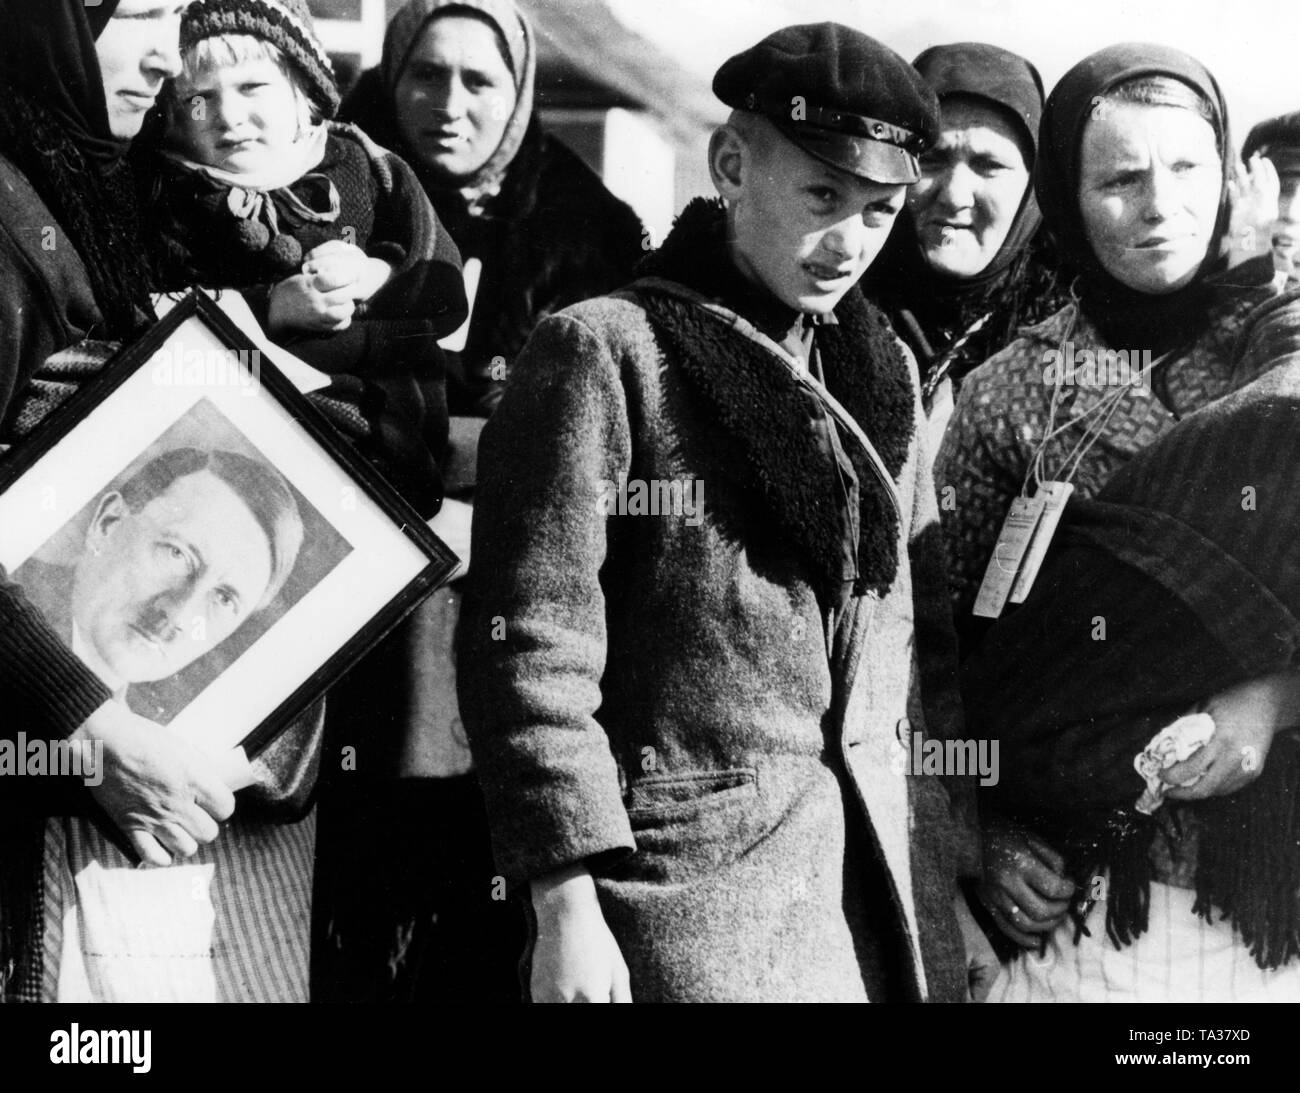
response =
{"points": [[1069, 730], [1247, 860], [94, 203], [54, 126], [1247, 848], [763, 407], [1199, 592]]}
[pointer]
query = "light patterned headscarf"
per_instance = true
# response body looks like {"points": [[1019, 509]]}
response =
{"points": [[404, 32]]}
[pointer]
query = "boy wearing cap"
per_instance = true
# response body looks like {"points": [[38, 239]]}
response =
{"points": [[707, 590]]}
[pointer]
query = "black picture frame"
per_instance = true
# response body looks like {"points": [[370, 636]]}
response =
{"points": [[60, 434]]}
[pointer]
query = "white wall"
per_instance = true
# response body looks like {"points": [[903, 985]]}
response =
{"points": [[363, 37]]}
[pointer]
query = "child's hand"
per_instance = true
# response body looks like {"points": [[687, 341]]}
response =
{"points": [[344, 267], [297, 305], [1253, 195]]}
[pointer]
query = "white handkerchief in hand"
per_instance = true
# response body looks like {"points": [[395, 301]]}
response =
{"points": [[1170, 745]]}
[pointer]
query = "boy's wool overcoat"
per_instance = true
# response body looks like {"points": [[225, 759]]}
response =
{"points": [[684, 701]]}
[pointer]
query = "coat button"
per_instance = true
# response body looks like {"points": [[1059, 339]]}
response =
{"points": [[903, 730]]}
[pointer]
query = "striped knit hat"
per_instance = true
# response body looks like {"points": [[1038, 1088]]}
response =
{"points": [[285, 24]]}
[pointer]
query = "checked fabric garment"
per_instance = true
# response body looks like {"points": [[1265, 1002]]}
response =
{"points": [[1003, 411]]}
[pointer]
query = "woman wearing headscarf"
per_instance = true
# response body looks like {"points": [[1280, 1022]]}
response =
{"points": [[1166, 249], [454, 95], [1156, 270], [1189, 724], [58, 134], [78, 80], [424, 916], [967, 265]]}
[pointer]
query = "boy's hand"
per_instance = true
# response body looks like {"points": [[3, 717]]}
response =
{"points": [[165, 795], [576, 958], [296, 305], [343, 267]]}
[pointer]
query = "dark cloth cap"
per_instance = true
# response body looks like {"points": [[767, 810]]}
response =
{"points": [[1272, 135], [838, 94]]}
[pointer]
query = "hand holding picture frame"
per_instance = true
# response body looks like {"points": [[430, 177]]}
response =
{"points": [[202, 539]]}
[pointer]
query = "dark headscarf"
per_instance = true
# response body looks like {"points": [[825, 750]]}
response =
{"points": [[1125, 316], [925, 299], [48, 51], [54, 127], [1007, 83]]}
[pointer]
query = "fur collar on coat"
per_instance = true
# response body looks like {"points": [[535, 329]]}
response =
{"points": [[765, 407]]}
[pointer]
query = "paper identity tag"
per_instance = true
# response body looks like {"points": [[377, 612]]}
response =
{"points": [[1013, 541], [1054, 495]]}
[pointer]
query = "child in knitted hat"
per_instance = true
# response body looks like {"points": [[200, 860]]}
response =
{"points": [[330, 239]]}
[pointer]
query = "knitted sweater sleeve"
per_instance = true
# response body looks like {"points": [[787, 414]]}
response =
{"points": [[427, 281], [39, 674]]}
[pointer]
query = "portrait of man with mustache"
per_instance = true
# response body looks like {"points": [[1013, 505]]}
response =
{"points": [[172, 563]]}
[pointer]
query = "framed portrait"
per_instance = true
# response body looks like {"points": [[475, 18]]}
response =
{"points": [[203, 540]]}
